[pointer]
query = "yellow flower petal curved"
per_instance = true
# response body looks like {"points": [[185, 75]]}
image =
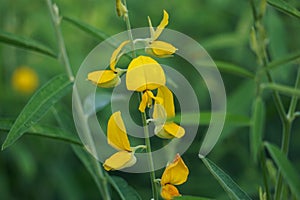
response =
{"points": [[119, 160], [167, 103], [114, 57], [116, 133], [164, 22], [104, 78], [162, 49], [146, 101], [169, 131], [168, 192], [144, 73], [175, 173]]}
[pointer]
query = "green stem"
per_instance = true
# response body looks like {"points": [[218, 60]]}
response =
{"points": [[65, 60], [265, 173], [144, 119]]}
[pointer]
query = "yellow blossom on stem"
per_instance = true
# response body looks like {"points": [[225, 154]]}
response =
{"points": [[146, 101], [109, 78], [176, 173], [159, 48], [117, 138], [144, 73], [163, 110]]}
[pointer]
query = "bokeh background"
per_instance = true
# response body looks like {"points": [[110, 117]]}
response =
{"points": [[39, 168]]}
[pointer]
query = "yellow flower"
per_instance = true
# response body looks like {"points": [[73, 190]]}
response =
{"points": [[176, 173], [117, 138], [144, 73], [146, 101], [25, 80], [109, 78], [121, 9], [160, 48], [163, 110]]}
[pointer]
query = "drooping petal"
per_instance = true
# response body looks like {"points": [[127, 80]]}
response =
{"points": [[167, 103], [162, 49], [104, 78], [119, 160], [144, 73], [169, 130], [168, 192], [164, 22], [146, 101], [175, 173], [116, 132], [115, 56]]}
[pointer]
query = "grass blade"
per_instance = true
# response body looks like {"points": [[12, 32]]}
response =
{"points": [[290, 58], [234, 69], [285, 7], [37, 106], [43, 131], [233, 190], [26, 43], [191, 198], [257, 126], [286, 168], [282, 89], [125, 191]]}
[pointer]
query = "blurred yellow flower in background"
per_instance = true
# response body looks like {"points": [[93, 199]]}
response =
{"points": [[176, 173], [25, 80]]}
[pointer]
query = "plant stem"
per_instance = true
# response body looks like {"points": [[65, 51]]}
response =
{"points": [[144, 119], [65, 60]]}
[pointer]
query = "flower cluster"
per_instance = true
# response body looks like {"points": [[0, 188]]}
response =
{"points": [[146, 76]]}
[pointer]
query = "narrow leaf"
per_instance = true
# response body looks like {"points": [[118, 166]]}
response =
{"points": [[285, 7], [190, 198], [256, 129], [26, 43], [233, 190], [287, 170], [125, 191], [86, 28], [43, 131], [234, 69], [193, 119], [37, 107], [282, 89], [285, 60]]}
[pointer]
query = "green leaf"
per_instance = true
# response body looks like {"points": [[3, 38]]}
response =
{"points": [[86, 28], [223, 40], [37, 107], [282, 89], [190, 198], [26, 43], [232, 189], [234, 69], [193, 119], [287, 170], [125, 191], [285, 60], [285, 7], [43, 131], [256, 129]]}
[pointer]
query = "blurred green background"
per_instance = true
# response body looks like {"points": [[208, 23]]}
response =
{"points": [[38, 168]]}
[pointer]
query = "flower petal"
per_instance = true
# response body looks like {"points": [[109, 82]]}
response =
{"points": [[167, 103], [175, 173], [164, 22], [114, 57], [116, 132], [119, 160], [169, 191], [169, 131], [144, 73], [162, 49], [104, 78]]}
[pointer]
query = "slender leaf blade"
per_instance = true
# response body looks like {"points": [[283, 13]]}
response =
{"points": [[289, 91], [125, 191], [285, 7], [26, 43], [44, 131], [285, 60], [37, 107], [257, 126], [234, 69], [190, 198], [287, 170], [233, 190]]}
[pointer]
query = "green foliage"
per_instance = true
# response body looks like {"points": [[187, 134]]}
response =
{"points": [[285, 7]]}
